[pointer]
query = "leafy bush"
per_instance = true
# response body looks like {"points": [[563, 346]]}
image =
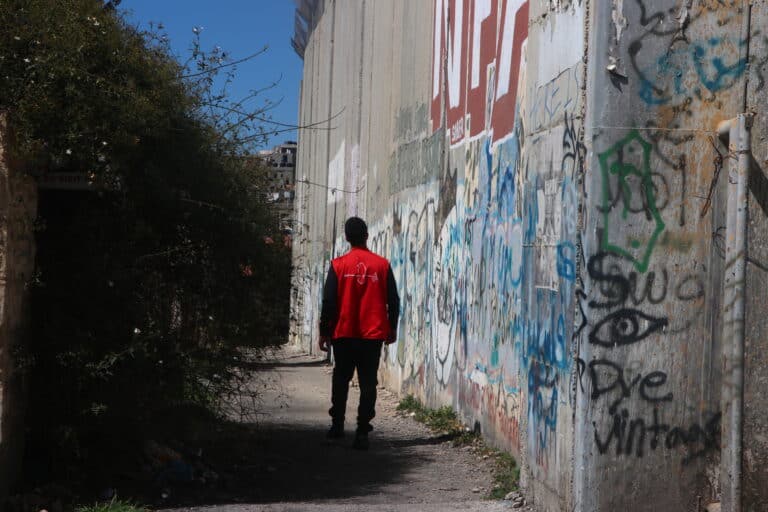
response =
{"points": [[506, 475], [147, 285]]}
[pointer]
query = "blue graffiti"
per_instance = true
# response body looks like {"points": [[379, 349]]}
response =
{"points": [[483, 289], [566, 252], [532, 217], [538, 328], [669, 78], [714, 73], [542, 380]]}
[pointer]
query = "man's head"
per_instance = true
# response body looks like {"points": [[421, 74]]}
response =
{"points": [[356, 231]]}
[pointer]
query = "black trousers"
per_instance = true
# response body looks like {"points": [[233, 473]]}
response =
{"points": [[363, 355]]}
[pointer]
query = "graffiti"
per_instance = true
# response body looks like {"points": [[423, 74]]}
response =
{"points": [[620, 288], [555, 100], [516, 248], [565, 261], [548, 201], [447, 192], [481, 228], [574, 150], [685, 70], [631, 295], [413, 270], [413, 163], [542, 399], [480, 46], [629, 436], [607, 377], [636, 190], [466, 263], [624, 327], [446, 281], [670, 178], [623, 386], [380, 240], [714, 70], [502, 409]]}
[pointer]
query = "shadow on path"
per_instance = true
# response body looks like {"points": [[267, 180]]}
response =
{"points": [[286, 461], [293, 463], [286, 457]]}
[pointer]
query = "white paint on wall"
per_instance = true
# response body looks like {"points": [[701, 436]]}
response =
{"points": [[482, 11], [354, 179], [563, 37], [454, 55], [619, 20], [336, 175], [507, 45], [436, 53]]}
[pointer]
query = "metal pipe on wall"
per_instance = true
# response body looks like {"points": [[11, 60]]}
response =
{"points": [[739, 146], [737, 131]]}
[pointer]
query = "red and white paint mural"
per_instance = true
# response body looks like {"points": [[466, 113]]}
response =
{"points": [[476, 58]]}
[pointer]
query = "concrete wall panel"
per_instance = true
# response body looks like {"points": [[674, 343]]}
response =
{"points": [[468, 164], [542, 176], [756, 364], [662, 75]]}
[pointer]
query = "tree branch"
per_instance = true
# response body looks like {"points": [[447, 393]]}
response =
{"points": [[228, 64]]}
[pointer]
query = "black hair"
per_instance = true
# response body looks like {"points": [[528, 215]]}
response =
{"points": [[356, 231]]}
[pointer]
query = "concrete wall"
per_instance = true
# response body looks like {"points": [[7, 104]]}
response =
{"points": [[18, 209], [756, 356], [650, 351], [537, 172]]}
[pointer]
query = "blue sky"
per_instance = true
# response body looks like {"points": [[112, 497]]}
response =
{"points": [[241, 27]]}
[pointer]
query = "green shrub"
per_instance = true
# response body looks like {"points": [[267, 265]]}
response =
{"points": [[443, 419], [147, 286], [506, 475]]}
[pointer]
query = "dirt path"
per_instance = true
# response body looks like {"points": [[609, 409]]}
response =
{"points": [[288, 465]]}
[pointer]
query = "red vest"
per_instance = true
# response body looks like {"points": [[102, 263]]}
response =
{"points": [[362, 295]]}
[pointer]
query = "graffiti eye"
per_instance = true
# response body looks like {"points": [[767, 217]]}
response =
{"points": [[625, 327]]}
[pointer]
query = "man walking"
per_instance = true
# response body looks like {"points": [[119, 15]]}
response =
{"points": [[360, 311]]}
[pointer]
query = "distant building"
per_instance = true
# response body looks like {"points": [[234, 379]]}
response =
{"points": [[280, 181]]}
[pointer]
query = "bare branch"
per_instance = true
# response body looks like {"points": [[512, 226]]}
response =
{"points": [[257, 117], [256, 92], [228, 64]]}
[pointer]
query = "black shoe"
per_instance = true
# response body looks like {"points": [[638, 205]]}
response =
{"points": [[361, 441], [336, 431]]}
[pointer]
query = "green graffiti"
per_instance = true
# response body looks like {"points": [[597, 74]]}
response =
{"points": [[612, 163]]}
